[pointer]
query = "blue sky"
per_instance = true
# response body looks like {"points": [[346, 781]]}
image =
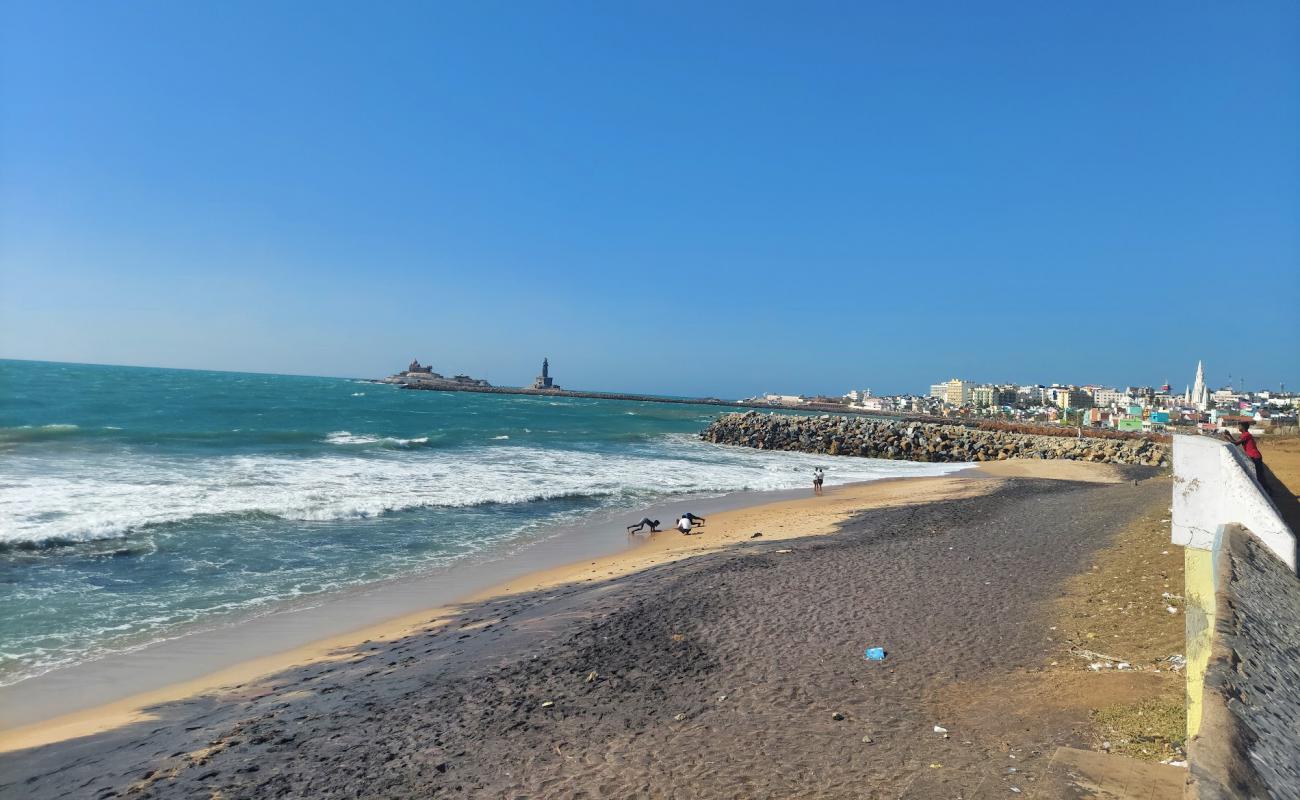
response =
{"points": [[682, 198]]}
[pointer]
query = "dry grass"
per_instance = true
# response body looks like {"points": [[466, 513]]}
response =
{"points": [[1154, 729]]}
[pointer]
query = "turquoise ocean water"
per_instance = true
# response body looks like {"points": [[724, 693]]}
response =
{"points": [[139, 504]]}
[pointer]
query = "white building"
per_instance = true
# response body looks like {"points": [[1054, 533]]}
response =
{"points": [[1109, 397], [1198, 394]]}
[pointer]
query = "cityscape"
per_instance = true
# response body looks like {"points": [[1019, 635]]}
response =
{"points": [[1131, 408]]}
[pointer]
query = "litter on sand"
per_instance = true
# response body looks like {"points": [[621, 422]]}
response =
{"points": [[874, 654], [940, 729]]}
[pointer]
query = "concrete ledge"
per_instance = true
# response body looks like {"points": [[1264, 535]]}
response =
{"points": [[1215, 485]]}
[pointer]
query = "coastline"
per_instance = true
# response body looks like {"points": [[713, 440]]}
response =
{"points": [[779, 518]]}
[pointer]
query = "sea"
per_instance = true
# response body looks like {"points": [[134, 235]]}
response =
{"points": [[139, 505]]}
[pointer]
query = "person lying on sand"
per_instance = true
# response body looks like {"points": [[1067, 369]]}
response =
{"points": [[653, 523]]}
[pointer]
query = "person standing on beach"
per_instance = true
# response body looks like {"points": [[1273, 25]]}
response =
{"points": [[1246, 442], [818, 477]]}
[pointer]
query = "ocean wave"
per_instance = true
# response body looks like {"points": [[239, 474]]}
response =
{"points": [[498, 438], [61, 501], [37, 433], [346, 437]]}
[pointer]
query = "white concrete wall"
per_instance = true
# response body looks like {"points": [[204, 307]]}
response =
{"points": [[1215, 485]]}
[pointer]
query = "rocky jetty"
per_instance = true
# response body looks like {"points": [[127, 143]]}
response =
{"points": [[920, 441]]}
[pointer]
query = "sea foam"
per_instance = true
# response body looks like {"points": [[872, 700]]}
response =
{"points": [[62, 502]]}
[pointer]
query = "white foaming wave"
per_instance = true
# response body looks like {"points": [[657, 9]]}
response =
{"points": [[498, 438], [346, 437], [69, 501]]}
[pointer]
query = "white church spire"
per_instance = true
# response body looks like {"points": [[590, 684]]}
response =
{"points": [[1200, 393]]}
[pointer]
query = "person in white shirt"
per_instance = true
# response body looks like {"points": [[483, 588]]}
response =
{"points": [[684, 525]]}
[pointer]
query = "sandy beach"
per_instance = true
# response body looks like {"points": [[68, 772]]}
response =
{"points": [[716, 664]]}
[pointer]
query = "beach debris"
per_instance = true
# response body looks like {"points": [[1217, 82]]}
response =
{"points": [[678, 637], [1171, 609], [785, 550], [837, 716], [1012, 770], [940, 729], [874, 654], [1171, 596], [1173, 762], [1123, 665], [548, 703], [1093, 654], [755, 534], [867, 739], [1176, 661], [936, 765], [721, 697], [591, 677], [1016, 789], [680, 717]]}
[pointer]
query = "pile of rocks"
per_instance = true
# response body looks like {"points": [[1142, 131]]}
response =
{"points": [[919, 441]]}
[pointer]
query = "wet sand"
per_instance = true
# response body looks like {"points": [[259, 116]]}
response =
{"points": [[649, 673]]}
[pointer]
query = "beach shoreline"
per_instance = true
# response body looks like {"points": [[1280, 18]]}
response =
{"points": [[778, 516]]}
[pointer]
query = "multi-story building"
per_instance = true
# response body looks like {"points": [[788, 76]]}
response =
{"points": [[1065, 397], [957, 392], [992, 396], [1029, 395], [1145, 395], [1107, 397]]}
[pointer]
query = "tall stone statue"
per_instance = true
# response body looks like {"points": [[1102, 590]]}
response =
{"points": [[544, 381]]}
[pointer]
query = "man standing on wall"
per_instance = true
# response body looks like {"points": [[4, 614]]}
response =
{"points": [[1247, 444]]}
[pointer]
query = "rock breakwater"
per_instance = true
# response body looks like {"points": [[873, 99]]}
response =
{"points": [[919, 441]]}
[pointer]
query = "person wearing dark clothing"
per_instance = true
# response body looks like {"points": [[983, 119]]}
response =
{"points": [[653, 523], [694, 519]]}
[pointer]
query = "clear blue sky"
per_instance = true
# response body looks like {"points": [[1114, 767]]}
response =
{"points": [[682, 198]]}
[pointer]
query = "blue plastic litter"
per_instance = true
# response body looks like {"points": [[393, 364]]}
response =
{"points": [[875, 654]]}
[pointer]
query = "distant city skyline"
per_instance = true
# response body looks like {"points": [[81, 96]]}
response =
{"points": [[916, 391], [668, 200]]}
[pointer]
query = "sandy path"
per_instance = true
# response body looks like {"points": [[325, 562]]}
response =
{"points": [[715, 676]]}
